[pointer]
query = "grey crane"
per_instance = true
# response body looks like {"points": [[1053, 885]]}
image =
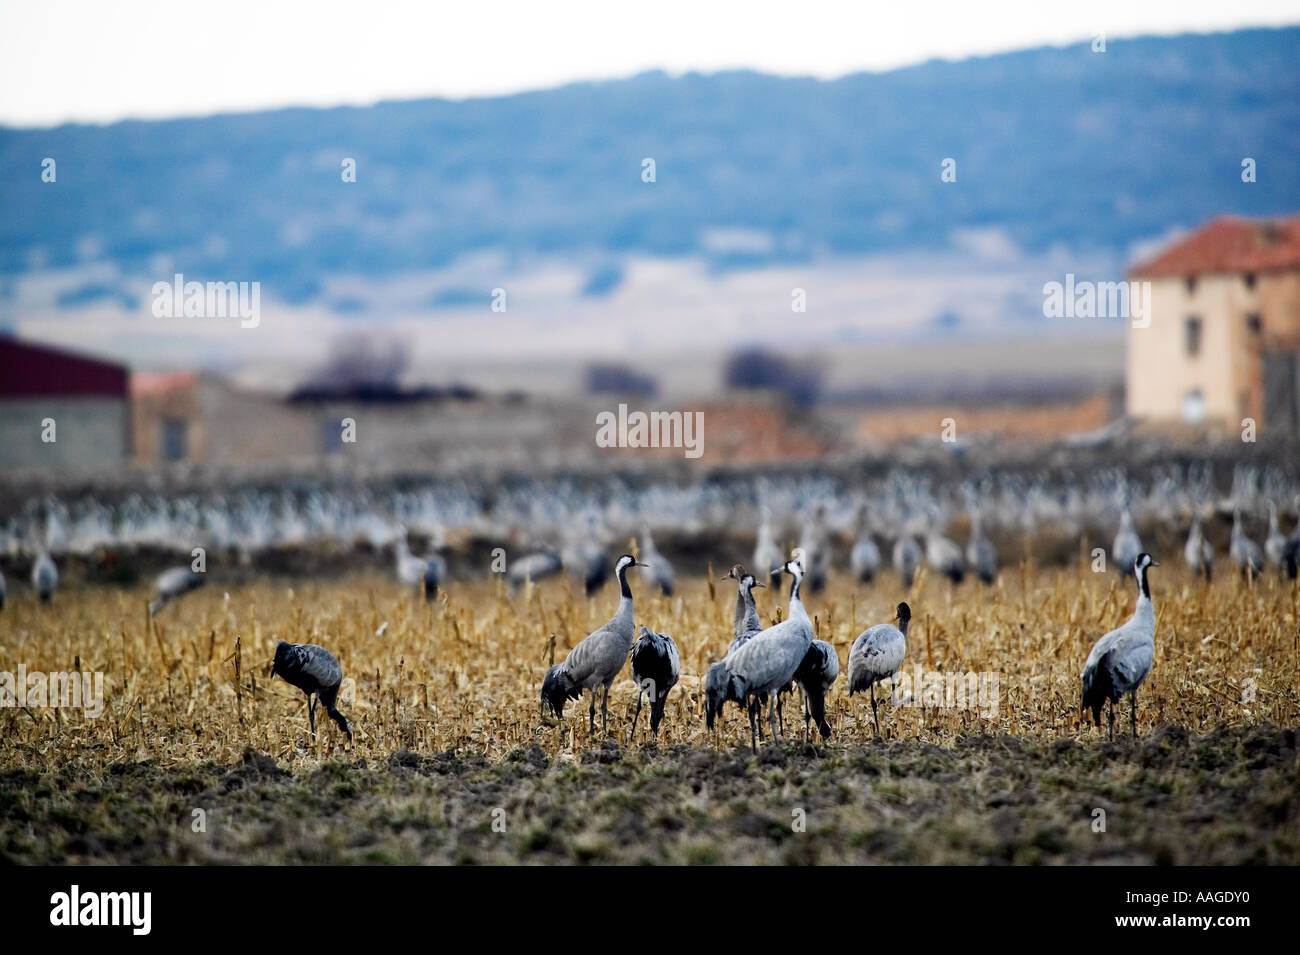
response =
{"points": [[1245, 553], [316, 672], [876, 655], [864, 558], [816, 673], [816, 545], [435, 574], [907, 558], [747, 624], [173, 583], [410, 569], [598, 657], [45, 576], [532, 567], [587, 562], [1198, 552], [584, 556], [1276, 544], [661, 572], [767, 556], [943, 554], [981, 555], [746, 620], [1125, 548], [768, 661], [655, 669], [1121, 660]]}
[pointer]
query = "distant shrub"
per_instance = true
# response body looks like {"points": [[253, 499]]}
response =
{"points": [[756, 368], [616, 379]]}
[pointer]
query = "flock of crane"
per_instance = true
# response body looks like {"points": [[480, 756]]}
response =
{"points": [[762, 664], [568, 514]]}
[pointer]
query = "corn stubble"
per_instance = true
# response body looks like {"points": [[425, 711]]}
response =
{"points": [[462, 673]]}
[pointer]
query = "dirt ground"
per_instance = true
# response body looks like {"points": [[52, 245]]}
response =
{"points": [[1172, 797]]}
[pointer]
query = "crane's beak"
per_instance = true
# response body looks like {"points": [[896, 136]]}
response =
{"points": [[640, 564], [1155, 563]]}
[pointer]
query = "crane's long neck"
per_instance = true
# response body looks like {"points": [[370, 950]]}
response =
{"points": [[623, 619], [1145, 608], [796, 605], [744, 600]]}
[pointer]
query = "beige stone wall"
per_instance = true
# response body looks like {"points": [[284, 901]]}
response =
{"points": [[148, 411], [90, 434], [235, 426], [1227, 371]]}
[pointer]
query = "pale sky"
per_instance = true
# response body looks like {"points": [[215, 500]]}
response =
{"points": [[102, 60]]}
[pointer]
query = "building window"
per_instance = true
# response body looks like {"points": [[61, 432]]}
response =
{"points": [[175, 439], [331, 435], [1194, 406], [1192, 335], [1191, 285], [1254, 324], [1249, 279]]}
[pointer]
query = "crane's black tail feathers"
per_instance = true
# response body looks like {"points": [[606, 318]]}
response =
{"points": [[715, 692], [1097, 689], [657, 711], [557, 688]]}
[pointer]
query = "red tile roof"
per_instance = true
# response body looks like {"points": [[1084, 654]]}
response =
{"points": [[1229, 244], [156, 383], [29, 370]]}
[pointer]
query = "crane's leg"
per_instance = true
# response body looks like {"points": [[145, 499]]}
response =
{"points": [[591, 715], [780, 717], [753, 725], [637, 714], [874, 715], [311, 714], [1133, 714], [1112, 721], [604, 712], [771, 716]]}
